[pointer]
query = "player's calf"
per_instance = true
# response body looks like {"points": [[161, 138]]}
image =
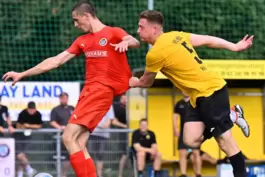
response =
{"points": [[157, 164], [140, 162], [228, 145]]}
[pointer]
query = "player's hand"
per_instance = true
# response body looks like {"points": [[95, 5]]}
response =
{"points": [[133, 82], [2, 129], [245, 43], [11, 129], [176, 133], [62, 127], [122, 46], [153, 153], [26, 125], [15, 76]]}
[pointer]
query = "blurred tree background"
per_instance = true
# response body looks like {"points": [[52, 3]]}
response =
{"points": [[32, 30]]}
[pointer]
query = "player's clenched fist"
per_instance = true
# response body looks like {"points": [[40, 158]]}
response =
{"points": [[133, 82], [122, 46], [15, 76]]}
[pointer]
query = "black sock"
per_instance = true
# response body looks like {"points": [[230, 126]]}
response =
{"points": [[198, 175], [140, 173], [157, 173], [238, 163]]}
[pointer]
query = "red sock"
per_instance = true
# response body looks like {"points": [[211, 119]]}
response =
{"points": [[78, 162], [91, 167]]}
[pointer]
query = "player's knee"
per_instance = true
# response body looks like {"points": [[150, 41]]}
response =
{"points": [[140, 154], [159, 156], [67, 139]]}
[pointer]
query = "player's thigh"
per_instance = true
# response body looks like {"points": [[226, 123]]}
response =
{"points": [[72, 132], [215, 112], [193, 126], [94, 102]]}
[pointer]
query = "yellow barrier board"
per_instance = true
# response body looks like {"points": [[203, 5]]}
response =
{"points": [[234, 69]]}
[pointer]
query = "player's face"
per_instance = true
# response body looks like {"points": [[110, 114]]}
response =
{"points": [[31, 111], [143, 126], [64, 100], [81, 22], [146, 30]]}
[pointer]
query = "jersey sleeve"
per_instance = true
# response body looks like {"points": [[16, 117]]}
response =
{"points": [[53, 115], [153, 138], [119, 33], [176, 108], [135, 137], [154, 62], [74, 48], [39, 118]]}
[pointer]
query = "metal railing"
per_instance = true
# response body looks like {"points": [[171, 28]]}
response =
{"points": [[44, 150]]}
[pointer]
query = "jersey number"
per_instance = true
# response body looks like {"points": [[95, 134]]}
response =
{"points": [[184, 44]]}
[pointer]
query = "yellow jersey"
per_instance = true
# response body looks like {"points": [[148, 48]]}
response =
{"points": [[173, 55]]}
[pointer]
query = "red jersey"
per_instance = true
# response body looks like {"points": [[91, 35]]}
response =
{"points": [[103, 63]]}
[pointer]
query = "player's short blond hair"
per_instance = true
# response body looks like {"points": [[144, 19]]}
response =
{"points": [[153, 16]]}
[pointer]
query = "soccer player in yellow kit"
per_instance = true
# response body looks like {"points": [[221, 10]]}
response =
{"points": [[173, 55]]}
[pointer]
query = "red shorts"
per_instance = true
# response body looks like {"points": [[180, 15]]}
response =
{"points": [[93, 104]]}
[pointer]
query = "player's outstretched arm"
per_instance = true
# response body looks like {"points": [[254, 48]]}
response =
{"points": [[145, 81], [132, 42], [215, 42], [127, 42], [46, 65]]}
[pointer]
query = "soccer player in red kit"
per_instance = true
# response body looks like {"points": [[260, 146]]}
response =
{"points": [[107, 75]]}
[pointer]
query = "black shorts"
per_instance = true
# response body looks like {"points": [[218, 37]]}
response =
{"points": [[182, 145], [214, 112], [22, 142], [96, 147]]}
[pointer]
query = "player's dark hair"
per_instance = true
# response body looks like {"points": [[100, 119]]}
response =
{"points": [[143, 120], [153, 16], [84, 6]]}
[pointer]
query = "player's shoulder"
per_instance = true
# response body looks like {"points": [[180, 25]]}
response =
{"points": [[136, 132], [175, 35], [23, 112], [151, 132], [3, 107], [153, 53]]}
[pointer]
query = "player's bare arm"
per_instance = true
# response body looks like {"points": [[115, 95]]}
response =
{"points": [[175, 124], [145, 81], [215, 42], [138, 148], [45, 66], [127, 42]]}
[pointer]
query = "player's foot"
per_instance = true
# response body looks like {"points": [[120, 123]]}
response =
{"points": [[182, 175], [241, 121]]}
